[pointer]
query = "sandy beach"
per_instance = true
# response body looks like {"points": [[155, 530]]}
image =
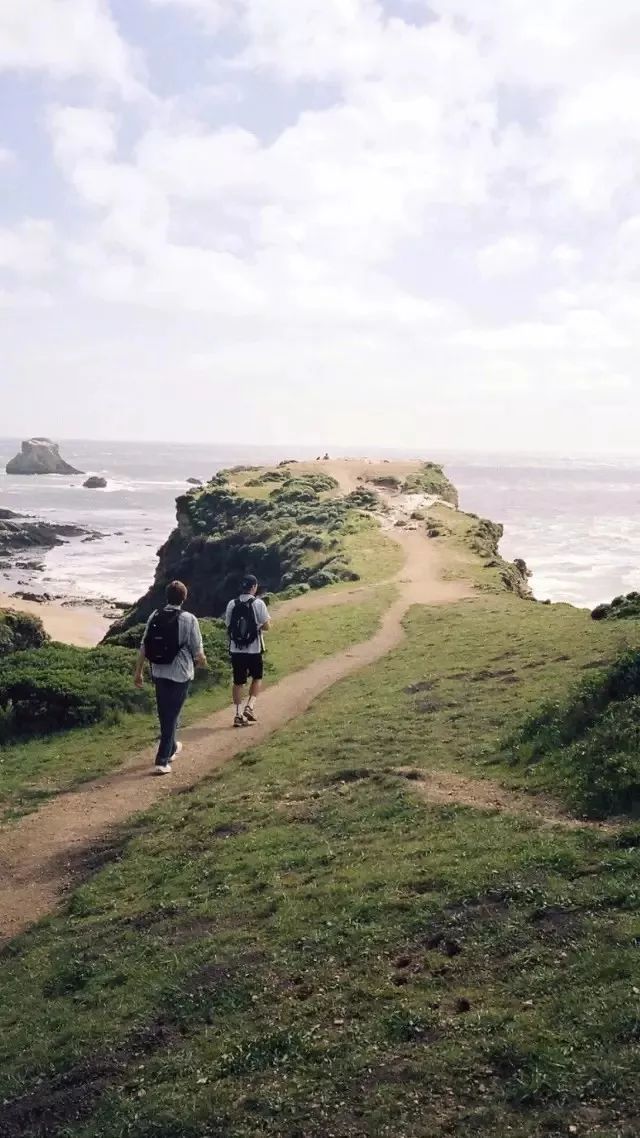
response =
{"points": [[72, 624]]}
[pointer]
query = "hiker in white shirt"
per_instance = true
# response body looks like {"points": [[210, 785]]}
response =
{"points": [[247, 618]]}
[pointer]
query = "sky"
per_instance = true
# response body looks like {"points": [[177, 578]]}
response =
{"points": [[392, 223]]}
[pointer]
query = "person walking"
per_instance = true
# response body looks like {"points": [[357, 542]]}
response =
{"points": [[247, 618], [172, 644]]}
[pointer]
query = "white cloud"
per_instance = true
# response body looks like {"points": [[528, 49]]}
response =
{"points": [[65, 38], [27, 250], [512, 254], [7, 157], [566, 256], [499, 140]]}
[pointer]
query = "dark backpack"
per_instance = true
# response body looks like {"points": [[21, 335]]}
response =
{"points": [[162, 640], [243, 627]]}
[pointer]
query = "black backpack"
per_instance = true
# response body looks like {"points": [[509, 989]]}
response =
{"points": [[162, 640], [243, 627]]}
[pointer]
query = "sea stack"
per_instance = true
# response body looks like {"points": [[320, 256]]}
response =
{"points": [[40, 456]]}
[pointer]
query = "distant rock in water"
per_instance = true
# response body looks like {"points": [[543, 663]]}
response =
{"points": [[40, 456], [194, 482], [95, 482]]}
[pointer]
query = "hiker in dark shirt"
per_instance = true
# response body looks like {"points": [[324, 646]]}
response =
{"points": [[172, 643]]}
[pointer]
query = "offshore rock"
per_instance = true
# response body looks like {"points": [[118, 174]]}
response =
{"points": [[40, 456]]}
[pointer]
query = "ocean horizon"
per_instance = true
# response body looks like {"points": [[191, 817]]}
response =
{"points": [[574, 519]]}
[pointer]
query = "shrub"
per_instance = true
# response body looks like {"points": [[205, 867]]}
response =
{"points": [[322, 578], [387, 481], [363, 499], [620, 608], [20, 631], [593, 739], [431, 479], [294, 591], [58, 686]]}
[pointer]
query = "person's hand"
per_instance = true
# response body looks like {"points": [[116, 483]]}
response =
{"points": [[201, 661], [139, 680]]}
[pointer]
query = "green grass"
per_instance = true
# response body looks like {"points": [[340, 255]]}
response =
{"points": [[32, 771], [373, 556], [301, 948]]}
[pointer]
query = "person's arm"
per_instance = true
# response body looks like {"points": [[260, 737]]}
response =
{"points": [[264, 619], [138, 678], [196, 646]]}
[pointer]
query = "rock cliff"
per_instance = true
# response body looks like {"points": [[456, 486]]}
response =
{"points": [[40, 456], [292, 539]]}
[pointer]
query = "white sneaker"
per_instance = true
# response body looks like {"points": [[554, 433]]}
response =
{"points": [[178, 750], [165, 769]]}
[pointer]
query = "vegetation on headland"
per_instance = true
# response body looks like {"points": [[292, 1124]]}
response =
{"points": [[620, 608], [20, 631], [293, 539], [591, 740]]}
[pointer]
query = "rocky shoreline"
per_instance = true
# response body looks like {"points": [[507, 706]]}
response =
{"points": [[24, 544]]}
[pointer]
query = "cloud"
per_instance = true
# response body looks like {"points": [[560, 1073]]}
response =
{"points": [[27, 250], [512, 254], [66, 38], [439, 212], [7, 157]]}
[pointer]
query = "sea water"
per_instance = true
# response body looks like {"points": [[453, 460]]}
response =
{"points": [[575, 521]]}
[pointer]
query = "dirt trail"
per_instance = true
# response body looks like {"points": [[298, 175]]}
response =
{"points": [[446, 788], [38, 854]]}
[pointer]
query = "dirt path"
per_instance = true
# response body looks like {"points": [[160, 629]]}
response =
{"points": [[446, 788], [39, 852]]}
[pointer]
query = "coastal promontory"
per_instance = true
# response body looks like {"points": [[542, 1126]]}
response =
{"points": [[40, 456]]}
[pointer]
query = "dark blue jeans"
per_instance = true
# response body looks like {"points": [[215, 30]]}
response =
{"points": [[170, 697]]}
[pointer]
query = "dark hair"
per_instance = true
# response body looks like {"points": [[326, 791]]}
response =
{"points": [[176, 593], [249, 582]]}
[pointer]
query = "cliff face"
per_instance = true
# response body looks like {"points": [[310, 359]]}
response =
{"points": [[40, 456], [484, 538], [290, 539]]}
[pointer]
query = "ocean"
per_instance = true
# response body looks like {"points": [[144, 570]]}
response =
{"points": [[576, 522]]}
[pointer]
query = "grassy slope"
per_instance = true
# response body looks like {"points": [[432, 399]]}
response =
{"points": [[31, 772], [302, 948]]}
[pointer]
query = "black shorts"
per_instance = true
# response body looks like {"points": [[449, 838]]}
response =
{"points": [[246, 664]]}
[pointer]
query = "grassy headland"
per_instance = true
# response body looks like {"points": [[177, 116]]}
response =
{"points": [[306, 946]]}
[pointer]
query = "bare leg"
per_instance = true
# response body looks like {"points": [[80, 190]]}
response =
{"points": [[255, 689], [238, 696]]}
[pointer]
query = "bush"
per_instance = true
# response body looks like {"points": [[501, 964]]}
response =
{"points": [[593, 739], [432, 480], [20, 631], [58, 686], [322, 578], [387, 481], [294, 591], [362, 499], [620, 608]]}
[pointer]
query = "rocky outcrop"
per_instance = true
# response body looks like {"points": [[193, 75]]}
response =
{"points": [[40, 456], [484, 537], [18, 533], [95, 482], [194, 482], [294, 536]]}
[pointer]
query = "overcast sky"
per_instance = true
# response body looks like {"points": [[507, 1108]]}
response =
{"points": [[383, 222]]}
